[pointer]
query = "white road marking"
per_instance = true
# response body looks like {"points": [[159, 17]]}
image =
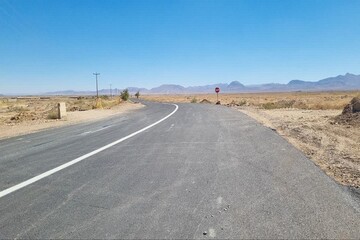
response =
{"points": [[79, 159], [98, 130], [172, 125]]}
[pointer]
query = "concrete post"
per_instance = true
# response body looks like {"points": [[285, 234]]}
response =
{"points": [[61, 110]]}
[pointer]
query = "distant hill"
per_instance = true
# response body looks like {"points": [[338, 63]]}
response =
{"points": [[235, 86], [114, 91], [168, 88], [342, 82]]}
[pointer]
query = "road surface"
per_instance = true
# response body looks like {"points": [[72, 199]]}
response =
{"points": [[203, 172]]}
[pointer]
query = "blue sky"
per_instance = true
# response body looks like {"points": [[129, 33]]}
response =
{"points": [[51, 45]]}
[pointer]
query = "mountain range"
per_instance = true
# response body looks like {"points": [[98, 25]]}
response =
{"points": [[342, 82]]}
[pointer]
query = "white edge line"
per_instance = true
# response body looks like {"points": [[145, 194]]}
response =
{"points": [[79, 159]]}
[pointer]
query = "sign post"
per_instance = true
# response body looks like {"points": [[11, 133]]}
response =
{"points": [[217, 90]]}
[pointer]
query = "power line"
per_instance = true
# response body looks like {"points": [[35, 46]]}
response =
{"points": [[97, 88]]}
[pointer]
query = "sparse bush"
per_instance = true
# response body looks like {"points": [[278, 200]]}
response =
{"points": [[124, 95], [98, 104], [194, 100], [300, 105], [279, 104], [105, 97], [327, 106], [137, 95], [242, 103], [269, 105], [78, 102], [109, 104]]}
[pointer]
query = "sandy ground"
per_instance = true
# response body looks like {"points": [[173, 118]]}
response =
{"points": [[15, 128], [334, 147]]}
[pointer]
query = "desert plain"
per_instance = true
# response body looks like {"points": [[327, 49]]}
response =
{"points": [[311, 121]]}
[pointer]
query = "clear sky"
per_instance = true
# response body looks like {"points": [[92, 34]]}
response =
{"points": [[51, 45]]}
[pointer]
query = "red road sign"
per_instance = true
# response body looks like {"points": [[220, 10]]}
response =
{"points": [[217, 89]]}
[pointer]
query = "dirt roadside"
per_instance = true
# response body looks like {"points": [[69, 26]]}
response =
{"points": [[311, 121], [17, 128], [334, 147]]}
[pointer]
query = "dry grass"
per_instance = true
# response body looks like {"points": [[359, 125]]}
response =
{"points": [[44, 108], [299, 100]]}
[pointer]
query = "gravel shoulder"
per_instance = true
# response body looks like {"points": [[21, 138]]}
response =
{"points": [[13, 129], [332, 146]]}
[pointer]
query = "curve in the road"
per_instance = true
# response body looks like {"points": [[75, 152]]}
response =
{"points": [[81, 158]]}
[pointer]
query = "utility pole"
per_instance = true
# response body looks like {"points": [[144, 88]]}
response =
{"points": [[97, 89]]}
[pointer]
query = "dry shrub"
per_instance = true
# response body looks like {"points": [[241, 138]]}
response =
{"points": [[110, 103], [98, 104], [279, 104], [242, 103], [327, 106], [194, 100], [300, 105], [17, 109]]}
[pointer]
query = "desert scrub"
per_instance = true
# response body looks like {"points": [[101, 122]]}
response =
{"points": [[105, 97], [77, 102], [137, 94], [242, 103], [98, 104], [124, 95], [194, 100], [17, 109], [110, 103], [327, 106], [279, 104]]}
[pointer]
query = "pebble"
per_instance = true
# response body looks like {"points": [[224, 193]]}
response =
{"points": [[205, 233], [225, 209]]}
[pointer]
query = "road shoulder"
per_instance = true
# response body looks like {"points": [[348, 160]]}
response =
{"points": [[31, 126]]}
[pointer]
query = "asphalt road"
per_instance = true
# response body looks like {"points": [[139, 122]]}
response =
{"points": [[204, 170]]}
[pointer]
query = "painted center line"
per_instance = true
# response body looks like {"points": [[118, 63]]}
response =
{"points": [[79, 159], [98, 130]]}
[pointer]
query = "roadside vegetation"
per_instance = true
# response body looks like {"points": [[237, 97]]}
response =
{"points": [[137, 94], [125, 95]]}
